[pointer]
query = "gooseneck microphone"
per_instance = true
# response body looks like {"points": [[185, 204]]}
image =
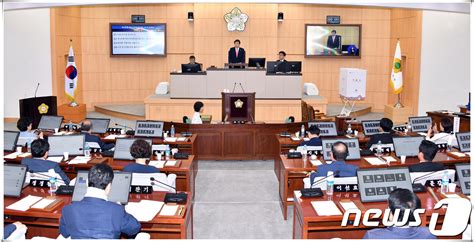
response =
{"points": [[418, 187], [37, 89], [175, 197], [123, 126], [153, 180], [335, 174], [316, 192]]}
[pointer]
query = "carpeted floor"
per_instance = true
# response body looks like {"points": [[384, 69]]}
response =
{"points": [[239, 200]]}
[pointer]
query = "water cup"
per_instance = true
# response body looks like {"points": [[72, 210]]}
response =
{"points": [[356, 132], [66, 155], [403, 158], [158, 155], [452, 187], [19, 149], [122, 131], [297, 134], [174, 151], [56, 130], [313, 157]]}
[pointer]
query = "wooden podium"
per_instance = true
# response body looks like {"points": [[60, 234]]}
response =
{"points": [[238, 107]]}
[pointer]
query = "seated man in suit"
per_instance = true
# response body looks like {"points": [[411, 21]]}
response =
{"points": [[385, 135], [198, 109], [9, 229], [141, 152], [313, 134], [339, 153], [445, 135], [39, 162], [426, 155], [94, 217], [27, 134], [86, 129], [192, 60], [236, 54], [407, 202]]}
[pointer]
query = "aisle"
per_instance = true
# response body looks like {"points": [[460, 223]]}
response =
{"points": [[239, 200]]}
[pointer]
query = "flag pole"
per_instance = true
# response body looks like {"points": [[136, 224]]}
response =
{"points": [[399, 103]]}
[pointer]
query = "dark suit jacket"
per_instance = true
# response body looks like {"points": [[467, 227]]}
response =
{"points": [[8, 230], [199, 66], [37, 165], [336, 44], [426, 167], [236, 59], [345, 170], [282, 66], [139, 168], [316, 141], [385, 138], [95, 218], [399, 233], [93, 138]]}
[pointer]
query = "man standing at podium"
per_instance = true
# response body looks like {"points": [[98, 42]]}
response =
{"points": [[236, 54]]}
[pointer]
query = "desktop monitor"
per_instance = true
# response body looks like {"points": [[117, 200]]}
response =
{"points": [[294, 66], [99, 125], [10, 138], [119, 191], [13, 178], [420, 124], [272, 66], [376, 184], [190, 68], [327, 128], [371, 127], [149, 128], [74, 144], [464, 176], [464, 141], [407, 146], [257, 62], [122, 148], [49, 122], [352, 145]]}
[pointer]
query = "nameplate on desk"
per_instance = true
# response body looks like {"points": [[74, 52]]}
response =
{"points": [[434, 183], [39, 183], [141, 189], [346, 188]]}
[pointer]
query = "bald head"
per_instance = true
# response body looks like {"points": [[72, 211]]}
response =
{"points": [[339, 151], [86, 125]]}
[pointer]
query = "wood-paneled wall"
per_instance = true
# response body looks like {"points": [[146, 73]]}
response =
{"points": [[108, 79]]}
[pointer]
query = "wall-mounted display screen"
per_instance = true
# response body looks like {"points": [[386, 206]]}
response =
{"points": [[329, 40], [138, 39]]}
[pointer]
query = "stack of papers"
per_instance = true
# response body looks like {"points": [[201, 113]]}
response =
{"points": [[23, 155], [326, 208], [171, 139], [79, 160], [375, 161], [458, 154], [315, 162], [157, 163], [348, 205], [170, 163], [114, 136], [12, 155], [145, 210], [389, 159], [45, 202], [169, 210], [182, 139], [295, 138], [25, 203], [56, 159]]}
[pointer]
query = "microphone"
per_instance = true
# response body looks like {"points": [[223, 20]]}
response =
{"points": [[418, 187], [42, 176], [130, 132], [316, 192], [37, 89], [179, 198], [241, 87], [233, 89]]}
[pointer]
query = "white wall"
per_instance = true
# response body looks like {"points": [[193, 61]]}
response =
{"points": [[444, 70], [27, 56]]}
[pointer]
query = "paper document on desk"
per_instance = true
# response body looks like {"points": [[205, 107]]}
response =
{"points": [[79, 160], [169, 210], [114, 136], [145, 210], [23, 155], [295, 138], [375, 161], [348, 205], [157, 163], [326, 208], [170, 163], [171, 139], [458, 154], [182, 139], [25, 203], [315, 162], [43, 203], [12, 155], [56, 159], [389, 159]]}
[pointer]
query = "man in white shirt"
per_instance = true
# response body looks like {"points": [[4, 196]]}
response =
{"points": [[198, 109], [445, 136]]}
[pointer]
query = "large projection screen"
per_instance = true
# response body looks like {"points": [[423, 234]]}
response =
{"points": [[138, 39]]}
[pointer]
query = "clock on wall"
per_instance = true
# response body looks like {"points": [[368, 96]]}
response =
{"points": [[333, 19]]}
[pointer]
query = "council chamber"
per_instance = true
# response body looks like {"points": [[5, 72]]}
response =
{"points": [[236, 120]]}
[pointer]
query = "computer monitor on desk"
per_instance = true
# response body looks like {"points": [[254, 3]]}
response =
{"points": [[294, 66], [190, 68], [258, 63], [407, 146]]}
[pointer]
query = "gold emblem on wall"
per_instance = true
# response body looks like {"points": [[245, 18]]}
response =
{"points": [[238, 103], [236, 20], [43, 108]]}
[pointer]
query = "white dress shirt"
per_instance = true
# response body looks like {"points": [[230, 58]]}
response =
{"points": [[196, 118], [96, 193], [443, 138]]}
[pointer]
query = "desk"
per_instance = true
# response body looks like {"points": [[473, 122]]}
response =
{"points": [[465, 119], [185, 173], [307, 224], [46, 224], [209, 85], [291, 172]]}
